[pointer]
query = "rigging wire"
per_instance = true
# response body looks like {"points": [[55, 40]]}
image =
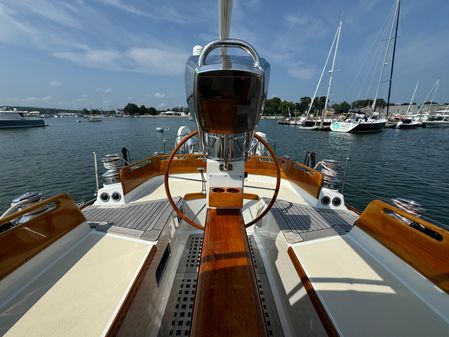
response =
{"points": [[375, 64]]}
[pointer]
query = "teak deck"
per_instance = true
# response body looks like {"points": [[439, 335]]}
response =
{"points": [[144, 221], [302, 223]]}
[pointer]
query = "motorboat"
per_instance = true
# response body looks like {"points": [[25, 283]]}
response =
{"points": [[407, 123], [95, 119], [12, 119], [439, 119], [223, 241]]}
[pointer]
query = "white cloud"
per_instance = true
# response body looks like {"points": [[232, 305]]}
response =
{"points": [[82, 98], [159, 12], [55, 83], [300, 20], [29, 99], [155, 61], [158, 95], [35, 99], [104, 90], [49, 11], [162, 105], [11, 29], [92, 58], [158, 61]]}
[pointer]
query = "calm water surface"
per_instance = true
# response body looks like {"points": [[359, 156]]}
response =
{"points": [[394, 163]]}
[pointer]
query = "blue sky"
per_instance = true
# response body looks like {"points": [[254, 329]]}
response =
{"points": [[104, 53]]}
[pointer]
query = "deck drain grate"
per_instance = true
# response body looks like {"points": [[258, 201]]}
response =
{"points": [[178, 314], [182, 315], [195, 245]]}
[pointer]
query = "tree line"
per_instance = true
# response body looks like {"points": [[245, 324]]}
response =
{"points": [[132, 109], [273, 106], [276, 106]]}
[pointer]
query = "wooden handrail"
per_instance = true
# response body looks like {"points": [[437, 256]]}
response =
{"points": [[227, 302], [424, 246], [309, 179], [22, 242], [316, 302], [134, 175]]}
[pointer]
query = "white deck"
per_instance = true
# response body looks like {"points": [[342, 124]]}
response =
{"points": [[76, 286], [80, 293], [360, 293]]}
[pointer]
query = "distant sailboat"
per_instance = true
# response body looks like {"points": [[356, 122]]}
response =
{"points": [[360, 122], [322, 123], [408, 122]]}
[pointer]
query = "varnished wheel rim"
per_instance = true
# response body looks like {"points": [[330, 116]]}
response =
{"points": [[191, 222], [278, 181]]}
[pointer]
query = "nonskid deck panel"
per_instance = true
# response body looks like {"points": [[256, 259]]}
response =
{"points": [[144, 220], [177, 318], [303, 223]]}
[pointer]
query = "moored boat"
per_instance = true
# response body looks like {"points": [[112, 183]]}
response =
{"points": [[13, 119], [407, 123], [358, 124], [437, 121]]}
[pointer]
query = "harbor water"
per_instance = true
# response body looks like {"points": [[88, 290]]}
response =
{"points": [[411, 164]]}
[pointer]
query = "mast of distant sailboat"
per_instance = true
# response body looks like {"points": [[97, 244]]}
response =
{"points": [[393, 25], [337, 36], [335, 43], [431, 92], [392, 58], [413, 97]]}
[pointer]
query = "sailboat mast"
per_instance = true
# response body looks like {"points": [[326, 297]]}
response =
{"points": [[413, 97], [428, 95], [322, 73], [433, 96], [392, 58], [331, 73], [224, 24], [373, 107]]}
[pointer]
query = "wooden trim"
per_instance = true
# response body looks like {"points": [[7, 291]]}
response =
{"points": [[22, 242], [126, 305], [424, 253], [250, 196], [317, 304], [227, 301], [134, 175], [309, 179], [199, 195], [194, 196], [222, 197]]}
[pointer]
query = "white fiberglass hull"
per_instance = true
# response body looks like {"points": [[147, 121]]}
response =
{"points": [[436, 124]]}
